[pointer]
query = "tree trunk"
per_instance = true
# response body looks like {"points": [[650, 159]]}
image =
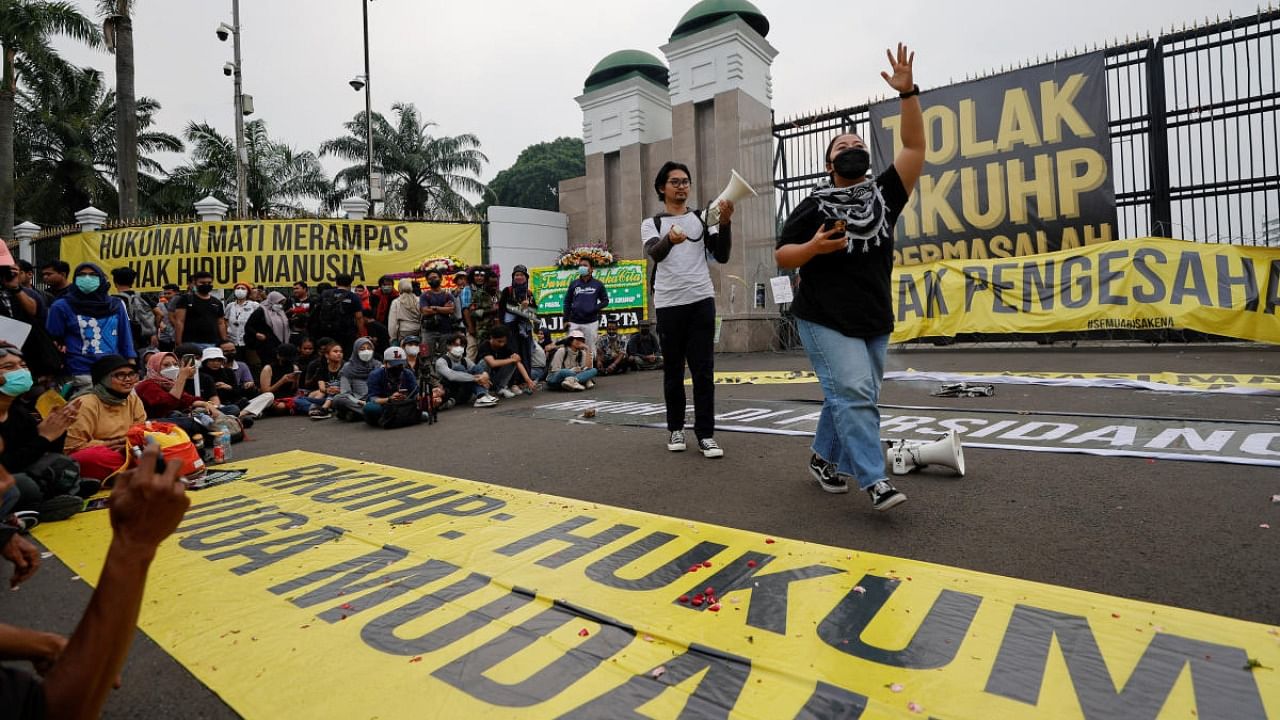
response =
{"points": [[126, 119], [7, 105]]}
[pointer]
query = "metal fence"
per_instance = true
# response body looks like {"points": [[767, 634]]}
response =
{"points": [[1195, 135]]}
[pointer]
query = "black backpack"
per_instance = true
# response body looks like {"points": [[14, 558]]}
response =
{"points": [[329, 315]]}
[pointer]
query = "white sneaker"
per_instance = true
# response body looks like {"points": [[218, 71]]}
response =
{"points": [[572, 383], [590, 384], [485, 401], [506, 393], [676, 442]]}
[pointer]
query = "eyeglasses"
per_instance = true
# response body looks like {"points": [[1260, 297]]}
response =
{"points": [[124, 376], [678, 182]]}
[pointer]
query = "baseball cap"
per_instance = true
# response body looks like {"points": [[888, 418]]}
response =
{"points": [[577, 334], [410, 340], [394, 357]]}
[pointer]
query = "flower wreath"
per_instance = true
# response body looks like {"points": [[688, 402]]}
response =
{"points": [[599, 256]]}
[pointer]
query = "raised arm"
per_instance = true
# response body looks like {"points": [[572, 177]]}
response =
{"points": [[910, 160]]}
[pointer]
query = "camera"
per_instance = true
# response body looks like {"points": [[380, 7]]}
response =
{"points": [[228, 69], [224, 31]]}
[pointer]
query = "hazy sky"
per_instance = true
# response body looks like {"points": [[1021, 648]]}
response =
{"points": [[509, 70]]}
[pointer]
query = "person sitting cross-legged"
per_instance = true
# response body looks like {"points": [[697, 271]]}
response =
{"points": [[570, 367], [644, 352], [390, 383]]}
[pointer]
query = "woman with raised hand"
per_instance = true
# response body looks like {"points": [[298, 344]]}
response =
{"points": [[841, 238]]}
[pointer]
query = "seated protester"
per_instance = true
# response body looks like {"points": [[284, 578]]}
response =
{"points": [[505, 364], [281, 377], [318, 403], [462, 380], [307, 353], [90, 324], [239, 369], [538, 362], [312, 369], [392, 382], [377, 332], [570, 367], [267, 328], [429, 386], [33, 449], [231, 398], [643, 351], [353, 391], [611, 351], [96, 439], [163, 396]]}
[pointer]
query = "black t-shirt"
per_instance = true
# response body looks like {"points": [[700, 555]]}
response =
{"points": [[486, 349], [848, 291], [201, 322]]}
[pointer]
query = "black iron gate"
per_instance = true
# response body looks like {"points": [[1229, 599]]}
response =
{"points": [[1194, 120]]}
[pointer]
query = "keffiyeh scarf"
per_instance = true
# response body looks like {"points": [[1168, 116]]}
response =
{"points": [[860, 206]]}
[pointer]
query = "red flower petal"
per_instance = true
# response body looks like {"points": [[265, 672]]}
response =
{"points": [[751, 563], [697, 602], [583, 632], [706, 563], [710, 590], [715, 608], [684, 598], [769, 541]]}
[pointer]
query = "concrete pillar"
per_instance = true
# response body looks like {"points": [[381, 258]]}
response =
{"points": [[211, 209], [26, 233], [91, 219], [355, 208]]}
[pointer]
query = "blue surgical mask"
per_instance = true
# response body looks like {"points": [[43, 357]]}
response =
{"points": [[583, 270], [88, 283], [17, 382]]}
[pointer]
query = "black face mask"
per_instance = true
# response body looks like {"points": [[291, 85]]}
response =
{"points": [[204, 289], [433, 283], [852, 164]]}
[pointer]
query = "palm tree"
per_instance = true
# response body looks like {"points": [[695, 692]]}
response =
{"points": [[279, 177], [68, 155], [424, 175], [118, 29], [25, 27]]}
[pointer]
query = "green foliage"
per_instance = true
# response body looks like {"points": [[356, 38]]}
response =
{"points": [[423, 175], [533, 181]]}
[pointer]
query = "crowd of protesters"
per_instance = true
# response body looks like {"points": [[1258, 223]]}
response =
{"points": [[101, 359]]}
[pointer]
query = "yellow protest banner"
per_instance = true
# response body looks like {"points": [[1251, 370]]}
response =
{"points": [[271, 252], [1215, 382], [331, 588], [1144, 284]]}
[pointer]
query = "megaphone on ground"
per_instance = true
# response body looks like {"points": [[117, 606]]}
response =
{"points": [[910, 455], [737, 190]]}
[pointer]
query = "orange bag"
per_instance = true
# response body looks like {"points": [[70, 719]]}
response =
{"points": [[175, 446]]}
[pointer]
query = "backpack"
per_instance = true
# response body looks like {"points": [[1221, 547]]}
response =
{"points": [[142, 319], [329, 315]]}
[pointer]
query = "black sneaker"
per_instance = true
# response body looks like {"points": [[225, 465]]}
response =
{"points": [[676, 442], [884, 496], [710, 448], [320, 414], [826, 475], [60, 507]]}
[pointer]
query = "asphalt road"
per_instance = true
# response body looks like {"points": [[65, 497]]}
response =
{"points": [[1177, 533]]}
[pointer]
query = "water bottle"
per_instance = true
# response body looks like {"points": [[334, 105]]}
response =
{"points": [[219, 452], [222, 448]]}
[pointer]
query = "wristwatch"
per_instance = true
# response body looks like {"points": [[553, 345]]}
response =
{"points": [[913, 92]]}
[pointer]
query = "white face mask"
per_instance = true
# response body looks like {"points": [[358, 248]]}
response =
{"points": [[365, 355], [412, 350], [241, 293], [170, 373], [457, 351]]}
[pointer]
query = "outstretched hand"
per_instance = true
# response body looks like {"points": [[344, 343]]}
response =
{"points": [[146, 505], [901, 79]]}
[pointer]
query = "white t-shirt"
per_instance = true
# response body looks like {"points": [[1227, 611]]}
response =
{"points": [[682, 277]]}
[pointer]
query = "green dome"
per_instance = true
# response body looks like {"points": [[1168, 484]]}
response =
{"points": [[709, 12], [625, 63]]}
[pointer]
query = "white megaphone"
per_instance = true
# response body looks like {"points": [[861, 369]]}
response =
{"points": [[910, 455], [737, 189]]}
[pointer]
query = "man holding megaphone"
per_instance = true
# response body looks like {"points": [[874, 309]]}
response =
{"points": [[680, 244]]}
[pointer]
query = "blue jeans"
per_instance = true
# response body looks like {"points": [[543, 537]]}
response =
{"points": [[556, 378], [850, 371]]}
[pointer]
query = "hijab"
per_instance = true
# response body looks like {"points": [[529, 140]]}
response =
{"points": [[96, 304], [153, 369], [357, 369], [273, 311]]}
